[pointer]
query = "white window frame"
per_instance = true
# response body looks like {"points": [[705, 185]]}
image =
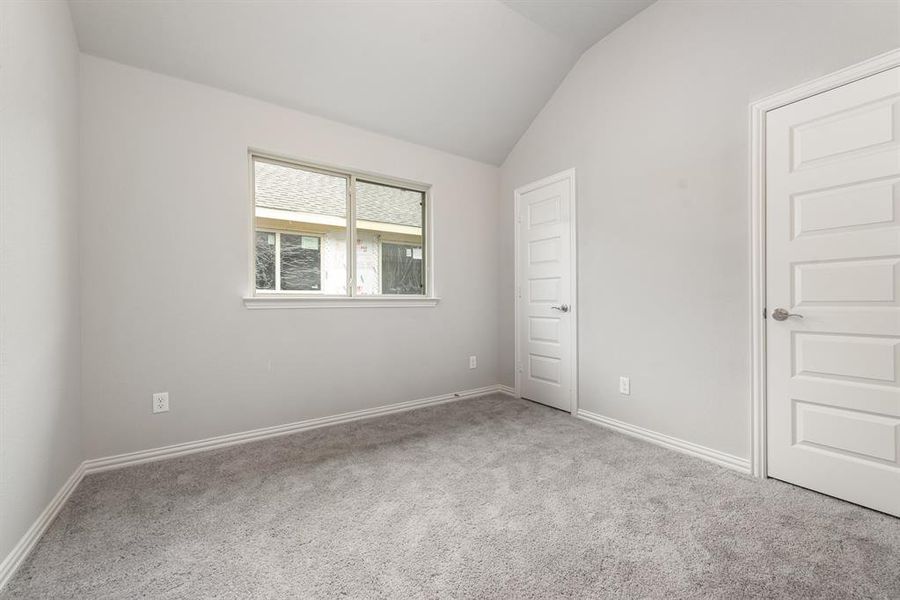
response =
{"points": [[256, 299]]}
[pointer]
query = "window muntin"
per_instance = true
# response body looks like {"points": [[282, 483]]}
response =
{"points": [[304, 207]]}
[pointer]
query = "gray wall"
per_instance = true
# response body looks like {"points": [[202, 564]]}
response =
{"points": [[165, 243], [655, 120], [40, 422]]}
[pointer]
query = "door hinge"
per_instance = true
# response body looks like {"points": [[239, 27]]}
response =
{"points": [[518, 291]]}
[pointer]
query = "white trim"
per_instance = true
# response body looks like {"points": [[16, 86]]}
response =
{"points": [[26, 544], [224, 441], [720, 458], [758, 112], [509, 391], [573, 288], [283, 301]]}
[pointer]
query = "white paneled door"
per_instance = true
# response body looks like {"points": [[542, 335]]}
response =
{"points": [[833, 292], [545, 291]]}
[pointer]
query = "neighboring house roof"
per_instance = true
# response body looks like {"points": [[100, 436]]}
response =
{"points": [[289, 188]]}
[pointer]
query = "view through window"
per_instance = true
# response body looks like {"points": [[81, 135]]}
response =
{"points": [[302, 236]]}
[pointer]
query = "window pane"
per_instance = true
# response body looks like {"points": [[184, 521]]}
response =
{"points": [[265, 260], [389, 240], [309, 209], [299, 262]]}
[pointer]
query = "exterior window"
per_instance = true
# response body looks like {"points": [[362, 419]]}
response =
{"points": [[288, 261], [265, 260], [300, 262], [303, 238], [402, 268]]}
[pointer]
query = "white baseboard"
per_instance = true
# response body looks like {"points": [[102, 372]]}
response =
{"points": [[720, 458], [26, 544], [509, 391], [223, 441]]}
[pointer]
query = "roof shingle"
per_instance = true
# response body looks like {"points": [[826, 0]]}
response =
{"points": [[284, 187]]}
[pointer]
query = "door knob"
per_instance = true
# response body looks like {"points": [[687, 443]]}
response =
{"points": [[780, 314], [561, 308]]}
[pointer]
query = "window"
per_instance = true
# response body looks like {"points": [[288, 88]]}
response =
{"points": [[300, 217], [386, 218], [306, 246]]}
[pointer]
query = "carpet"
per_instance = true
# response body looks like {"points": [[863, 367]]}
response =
{"points": [[483, 498]]}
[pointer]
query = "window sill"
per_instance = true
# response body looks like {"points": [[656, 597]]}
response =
{"points": [[277, 301]]}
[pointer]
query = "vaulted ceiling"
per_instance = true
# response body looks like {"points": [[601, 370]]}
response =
{"points": [[465, 76]]}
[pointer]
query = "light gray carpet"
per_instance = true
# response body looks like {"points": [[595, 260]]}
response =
{"points": [[483, 498]]}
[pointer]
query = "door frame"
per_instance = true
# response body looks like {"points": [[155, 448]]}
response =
{"points": [[568, 174], [758, 111]]}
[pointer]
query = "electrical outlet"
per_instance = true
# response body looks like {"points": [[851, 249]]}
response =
{"points": [[161, 402], [625, 386], [473, 362]]}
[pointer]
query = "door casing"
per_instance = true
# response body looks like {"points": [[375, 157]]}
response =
{"points": [[758, 111], [569, 175]]}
